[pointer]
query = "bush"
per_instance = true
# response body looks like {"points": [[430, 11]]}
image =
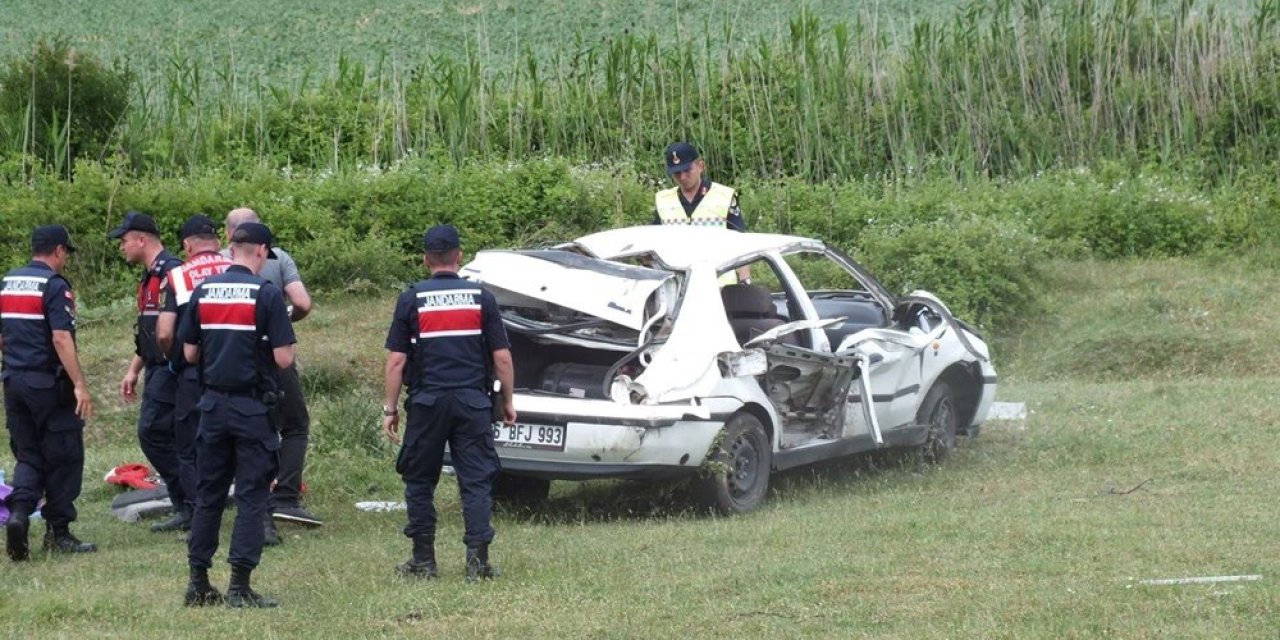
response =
{"points": [[975, 243], [58, 104], [985, 270]]}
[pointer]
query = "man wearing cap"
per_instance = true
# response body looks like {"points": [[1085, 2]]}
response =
{"points": [[696, 200], [291, 416], [46, 398], [199, 237], [237, 332], [139, 240], [447, 339]]}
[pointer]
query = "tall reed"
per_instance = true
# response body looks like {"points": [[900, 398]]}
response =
{"points": [[1009, 87]]}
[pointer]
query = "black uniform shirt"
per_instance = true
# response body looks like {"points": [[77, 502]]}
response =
{"points": [[237, 318], [450, 327], [34, 302]]}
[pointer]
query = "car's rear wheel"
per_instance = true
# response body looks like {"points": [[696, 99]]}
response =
{"points": [[520, 491], [737, 474], [938, 412]]}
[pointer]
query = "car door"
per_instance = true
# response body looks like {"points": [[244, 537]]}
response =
{"points": [[884, 395]]}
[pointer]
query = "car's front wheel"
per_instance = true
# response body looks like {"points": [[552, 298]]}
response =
{"points": [[736, 474], [938, 413]]}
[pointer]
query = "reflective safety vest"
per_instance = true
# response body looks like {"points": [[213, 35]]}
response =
{"points": [[183, 281], [712, 211]]}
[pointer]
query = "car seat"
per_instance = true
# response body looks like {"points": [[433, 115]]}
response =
{"points": [[750, 311]]}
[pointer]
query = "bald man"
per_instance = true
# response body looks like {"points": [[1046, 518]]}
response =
{"points": [[290, 415]]}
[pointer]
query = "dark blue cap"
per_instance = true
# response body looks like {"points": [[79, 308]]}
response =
{"points": [[47, 238], [198, 225], [680, 156], [135, 221], [252, 233], [442, 237]]}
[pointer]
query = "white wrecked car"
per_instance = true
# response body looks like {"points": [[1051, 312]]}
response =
{"points": [[634, 360]]}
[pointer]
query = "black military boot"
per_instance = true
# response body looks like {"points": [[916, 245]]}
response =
{"points": [[199, 592], [241, 596], [270, 535], [58, 539], [179, 521], [16, 541], [423, 563], [478, 567]]}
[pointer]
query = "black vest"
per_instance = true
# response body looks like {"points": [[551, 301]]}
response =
{"points": [[234, 352], [25, 299], [450, 350], [144, 334]]}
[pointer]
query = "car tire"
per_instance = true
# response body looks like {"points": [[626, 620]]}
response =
{"points": [[520, 491], [746, 451], [938, 412]]}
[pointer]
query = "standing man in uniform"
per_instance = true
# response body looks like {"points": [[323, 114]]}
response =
{"points": [[238, 333], [448, 333], [696, 200], [199, 237], [291, 416], [46, 398], [139, 240]]}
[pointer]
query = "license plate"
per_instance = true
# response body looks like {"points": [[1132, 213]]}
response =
{"points": [[529, 436]]}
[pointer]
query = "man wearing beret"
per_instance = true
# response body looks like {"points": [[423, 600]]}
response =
{"points": [[139, 241], [447, 340], [46, 398]]}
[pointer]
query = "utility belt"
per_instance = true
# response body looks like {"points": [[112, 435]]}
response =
{"points": [[64, 390], [266, 391]]}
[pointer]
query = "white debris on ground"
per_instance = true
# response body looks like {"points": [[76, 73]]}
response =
{"points": [[381, 507], [1200, 580], [1008, 411]]}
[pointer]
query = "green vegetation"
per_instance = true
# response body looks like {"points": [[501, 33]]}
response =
{"points": [[1024, 533], [1004, 88], [979, 244]]}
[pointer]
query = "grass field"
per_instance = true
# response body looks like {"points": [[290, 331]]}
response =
{"points": [[1027, 532], [293, 37]]}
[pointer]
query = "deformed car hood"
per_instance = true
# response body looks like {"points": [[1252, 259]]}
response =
{"points": [[608, 290]]}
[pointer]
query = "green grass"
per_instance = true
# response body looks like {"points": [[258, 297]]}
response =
{"points": [[1024, 533]]}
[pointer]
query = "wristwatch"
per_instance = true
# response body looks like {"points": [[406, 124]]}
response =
{"points": [[390, 411]]}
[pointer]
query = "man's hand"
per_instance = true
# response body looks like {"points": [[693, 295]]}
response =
{"points": [[128, 386], [391, 427], [84, 404], [509, 412]]}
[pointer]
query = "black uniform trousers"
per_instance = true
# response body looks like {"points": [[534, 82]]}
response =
{"points": [[293, 421], [155, 429], [235, 442], [463, 419], [47, 441], [186, 422]]}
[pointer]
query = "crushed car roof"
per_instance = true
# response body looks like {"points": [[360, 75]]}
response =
{"points": [[680, 247]]}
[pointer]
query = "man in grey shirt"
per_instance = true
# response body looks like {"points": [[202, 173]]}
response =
{"points": [[291, 416]]}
